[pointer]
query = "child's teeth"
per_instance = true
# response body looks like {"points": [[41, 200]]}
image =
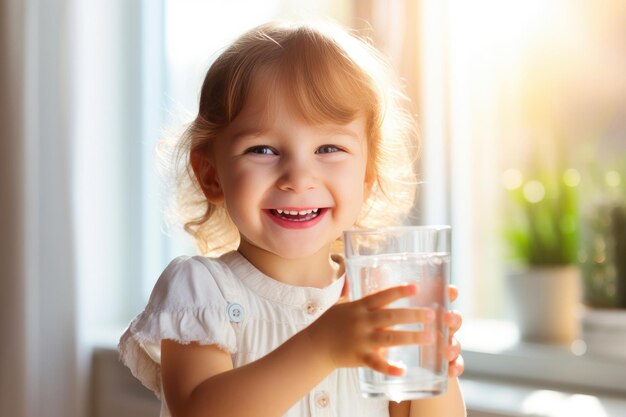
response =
{"points": [[297, 212]]}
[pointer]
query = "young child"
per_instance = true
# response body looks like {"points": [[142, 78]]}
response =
{"points": [[300, 135]]}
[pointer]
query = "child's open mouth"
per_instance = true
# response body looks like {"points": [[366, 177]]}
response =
{"points": [[296, 215]]}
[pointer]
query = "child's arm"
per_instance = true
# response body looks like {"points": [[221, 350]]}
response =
{"points": [[450, 404], [200, 380]]}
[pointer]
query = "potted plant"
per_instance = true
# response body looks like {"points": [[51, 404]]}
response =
{"points": [[603, 255], [542, 230], [603, 263]]}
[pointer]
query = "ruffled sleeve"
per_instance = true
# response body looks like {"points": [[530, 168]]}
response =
{"points": [[186, 305]]}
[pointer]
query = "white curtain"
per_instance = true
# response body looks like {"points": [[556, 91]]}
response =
{"points": [[13, 355], [72, 183], [37, 313]]}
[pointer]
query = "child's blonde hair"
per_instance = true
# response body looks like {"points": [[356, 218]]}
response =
{"points": [[331, 76]]}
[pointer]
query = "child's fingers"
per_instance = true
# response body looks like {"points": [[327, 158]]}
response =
{"points": [[456, 368], [453, 320], [387, 296], [391, 316], [377, 363], [453, 292], [453, 350], [387, 338]]}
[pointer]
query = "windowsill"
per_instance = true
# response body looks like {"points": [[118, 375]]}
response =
{"points": [[488, 397], [508, 378], [491, 349]]}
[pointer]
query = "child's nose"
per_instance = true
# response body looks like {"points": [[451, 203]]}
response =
{"points": [[297, 176]]}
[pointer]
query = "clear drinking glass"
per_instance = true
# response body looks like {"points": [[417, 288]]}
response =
{"points": [[377, 259]]}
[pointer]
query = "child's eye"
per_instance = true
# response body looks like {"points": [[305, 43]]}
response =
{"points": [[328, 149], [262, 150]]}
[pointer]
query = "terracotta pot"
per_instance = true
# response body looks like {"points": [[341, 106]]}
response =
{"points": [[545, 303]]}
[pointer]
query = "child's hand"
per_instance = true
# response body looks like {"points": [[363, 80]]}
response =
{"points": [[453, 320], [354, 333]]}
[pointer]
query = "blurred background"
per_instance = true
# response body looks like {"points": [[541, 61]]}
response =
{"points": [[522, 114]]}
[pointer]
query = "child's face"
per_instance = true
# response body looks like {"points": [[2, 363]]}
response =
{"points": [[270, 167]]}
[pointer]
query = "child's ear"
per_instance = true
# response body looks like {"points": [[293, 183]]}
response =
{"points": [[207, 177]]}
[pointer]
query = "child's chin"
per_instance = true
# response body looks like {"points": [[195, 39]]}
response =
{"points": [[296, 251]]}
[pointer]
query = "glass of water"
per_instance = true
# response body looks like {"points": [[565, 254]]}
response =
{"points": [[377, 259]]}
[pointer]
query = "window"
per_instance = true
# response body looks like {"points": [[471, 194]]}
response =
{"points": [[518, 85]]}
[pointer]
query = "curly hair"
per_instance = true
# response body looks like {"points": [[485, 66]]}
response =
{"points": [[332, 76]]}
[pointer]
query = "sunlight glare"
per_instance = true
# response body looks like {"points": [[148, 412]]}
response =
{"points": [[578, 347], [198, 28], [558, 404], [514, 21], [613, 179], [543, 402], [512, 179], [571, 178], [534, 191]]}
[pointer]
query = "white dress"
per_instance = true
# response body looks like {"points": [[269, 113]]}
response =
{"points": [[226, 301]]}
